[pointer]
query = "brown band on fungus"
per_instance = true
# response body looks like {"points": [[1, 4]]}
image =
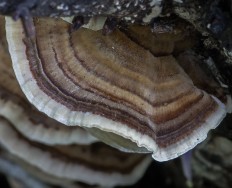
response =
{"points": [[69, 71], [113, 84], [200, 76], [75, 162], [30, 122], [186, 128], [76, 102], [77, 107], [166, 43]]}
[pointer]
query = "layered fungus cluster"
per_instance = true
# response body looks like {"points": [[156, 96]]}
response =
{"points": [[140, 90]]}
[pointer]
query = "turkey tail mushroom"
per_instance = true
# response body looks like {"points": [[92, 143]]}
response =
{"points": [[51, 152], [30, 122], [96, 164], [113, 87]]}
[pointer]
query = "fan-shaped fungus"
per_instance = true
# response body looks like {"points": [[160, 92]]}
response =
{"points": [[105, 166], [113, 87], [52, 152]]}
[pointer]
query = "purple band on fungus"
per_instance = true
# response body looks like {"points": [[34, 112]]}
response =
{"points": [[106, 166], [30, 122], [112, 84]]}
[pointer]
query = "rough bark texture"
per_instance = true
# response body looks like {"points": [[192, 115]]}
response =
{"points": [[213, 20], [57, 7]]}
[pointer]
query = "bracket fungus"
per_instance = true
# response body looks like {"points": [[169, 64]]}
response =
{"points": [[105, 166], [27, 119], [113, 87], [17, 177], [51, 152]]}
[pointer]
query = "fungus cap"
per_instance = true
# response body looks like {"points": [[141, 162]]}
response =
{"points": [[114, 85], [96, 164], [30, 122]]}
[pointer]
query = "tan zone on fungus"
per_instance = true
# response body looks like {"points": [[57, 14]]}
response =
{"points": [[113, 84]]}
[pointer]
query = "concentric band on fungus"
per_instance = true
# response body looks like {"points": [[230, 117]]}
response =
{"points": [[29, 121], [106, 166], [113, 84]]}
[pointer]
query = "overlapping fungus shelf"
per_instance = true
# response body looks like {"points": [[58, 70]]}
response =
{"points": [[113, 87]]}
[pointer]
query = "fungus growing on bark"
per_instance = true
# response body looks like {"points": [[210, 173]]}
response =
{"points": [[96, 164], [202, 79], [52, 152], [113, 87], [27, 119], [173, 35]]}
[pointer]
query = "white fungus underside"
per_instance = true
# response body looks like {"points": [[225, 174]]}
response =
{"points": [[53, 109], [55, 166], [14, 171], [37, 132], [31, 175]]}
